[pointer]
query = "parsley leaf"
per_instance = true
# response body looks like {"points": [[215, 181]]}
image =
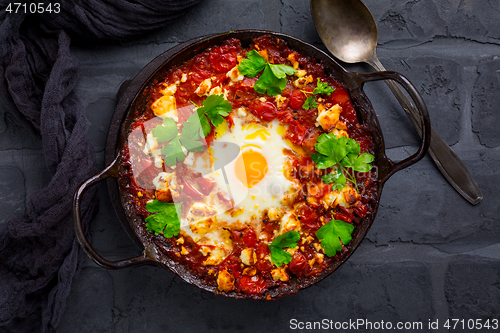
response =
{"points": [[323, 88], [330, 233], [362, 162], [278, 255], [190, 143], [339, 183], [323, 162], [310, 103], [252, 65], [331, 150], [173, 152], [345, 153], [273, 79], [337, 177], [196, 126], [268, 81], [165, 221], [281, 71], [166, 131], [215, 107]]}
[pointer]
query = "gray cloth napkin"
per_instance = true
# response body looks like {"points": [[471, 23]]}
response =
{"points": [[39, 255]]}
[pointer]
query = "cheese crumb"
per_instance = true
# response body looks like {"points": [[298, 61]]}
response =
{"points": [[204, 87], [235, 75], [328, 118], [280, 274], [248, 257], [225, 281]]}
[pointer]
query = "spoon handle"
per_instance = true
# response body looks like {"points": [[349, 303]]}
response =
{"points": [[447, 161]]}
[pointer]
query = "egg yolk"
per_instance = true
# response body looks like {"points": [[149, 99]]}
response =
{"points": [[250, 168]]}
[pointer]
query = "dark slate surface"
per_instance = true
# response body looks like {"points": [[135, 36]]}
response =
{"points": [[429, 256], [485, 101]]}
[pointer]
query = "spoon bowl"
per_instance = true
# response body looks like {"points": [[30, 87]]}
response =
{"points": [[347, 28]]}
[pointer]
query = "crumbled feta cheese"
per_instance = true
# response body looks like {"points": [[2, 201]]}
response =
{"points": [[345, 198], [215, 91], [280, 274], [151, 144], [169, 90], [204, 87], [235, 75], [275, 213], [301, 73], [279, 100], [301, 82], [248, 256], [289, 222], [162, 180], [165, 106], [225, 281], [328, 118]]}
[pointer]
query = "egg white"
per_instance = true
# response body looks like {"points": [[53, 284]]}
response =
{"points": [[250, 203]]}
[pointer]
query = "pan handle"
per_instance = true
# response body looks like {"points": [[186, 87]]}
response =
{"points": [[80, 234], [421, 107]]}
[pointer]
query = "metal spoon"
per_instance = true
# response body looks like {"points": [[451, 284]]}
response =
{"points": [[349, 31]]}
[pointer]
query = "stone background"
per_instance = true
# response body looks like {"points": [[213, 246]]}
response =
{"points": [[430, 255]]}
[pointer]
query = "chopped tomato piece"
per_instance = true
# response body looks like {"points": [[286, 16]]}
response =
{"points": [[344, 215], [263, 110], [296, 133], [251, 284], [223, 58], [297, 99], [309, 217], [222, 62], [249, 237], [298, 264], [360, 209]]}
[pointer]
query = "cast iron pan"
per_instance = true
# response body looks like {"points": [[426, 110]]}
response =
{"points": [[131, 98]]}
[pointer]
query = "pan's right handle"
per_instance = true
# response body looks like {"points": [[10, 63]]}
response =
{"points": [[423, 115], [447, 161], [80, 234]]}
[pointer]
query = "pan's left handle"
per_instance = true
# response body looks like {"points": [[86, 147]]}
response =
{"points": [[80, 234]]}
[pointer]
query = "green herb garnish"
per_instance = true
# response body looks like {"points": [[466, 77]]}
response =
{"points": [[273, 79], [337, 177], [173, 152], [310, 103], [278, 255], [215, 107], [252, 65], [165, 132], [330, 233], [343, 152], [197, 127], [321, 88], [165, 221]]}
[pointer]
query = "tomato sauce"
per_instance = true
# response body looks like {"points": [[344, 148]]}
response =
{"points": [[301, 130]]}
